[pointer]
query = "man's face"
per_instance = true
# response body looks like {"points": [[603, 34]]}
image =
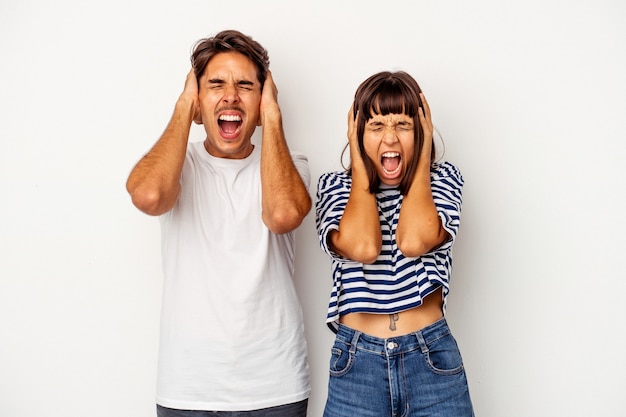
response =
{"points": [[230, 95], [389, 142]]}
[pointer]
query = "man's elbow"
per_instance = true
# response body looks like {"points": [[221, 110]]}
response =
{"points": [[285, 220], [149, 201]]}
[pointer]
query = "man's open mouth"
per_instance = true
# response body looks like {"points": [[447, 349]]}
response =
{"points": [[229, 123]]}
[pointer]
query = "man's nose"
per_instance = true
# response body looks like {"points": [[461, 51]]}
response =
{"points": [[230, 94]]}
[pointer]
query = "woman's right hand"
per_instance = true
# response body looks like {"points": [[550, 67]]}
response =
{"points": [[353, 141], [358, 237]]}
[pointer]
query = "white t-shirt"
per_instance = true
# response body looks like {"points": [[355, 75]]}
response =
{"points": [[232, 336]]}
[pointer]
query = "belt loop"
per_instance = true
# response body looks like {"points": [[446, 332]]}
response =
{"points": [[355, 339], [421, 341]]}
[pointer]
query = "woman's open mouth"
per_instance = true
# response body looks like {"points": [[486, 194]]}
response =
{"points": [[391, 164]]}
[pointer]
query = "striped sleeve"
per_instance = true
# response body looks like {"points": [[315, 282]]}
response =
{"points": [[333, 190], [447, 184]]}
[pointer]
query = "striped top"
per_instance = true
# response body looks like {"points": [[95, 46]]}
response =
{"points": [[393, 283]]}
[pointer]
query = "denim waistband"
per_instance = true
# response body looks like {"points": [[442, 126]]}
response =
{"points": [[396, 345]]}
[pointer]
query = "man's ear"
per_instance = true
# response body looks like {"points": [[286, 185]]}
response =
{"points": [[197, 117]]}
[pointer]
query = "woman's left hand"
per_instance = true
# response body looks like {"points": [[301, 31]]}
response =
{"points": [[427, 127]]}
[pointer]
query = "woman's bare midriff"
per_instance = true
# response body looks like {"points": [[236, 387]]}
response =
{"points": [[389, 325]]}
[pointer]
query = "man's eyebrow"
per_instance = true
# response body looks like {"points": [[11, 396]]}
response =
{"points": [[221, 81], [245, 82]]}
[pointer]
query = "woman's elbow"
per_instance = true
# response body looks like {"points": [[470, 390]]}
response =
{"points": [[359, 249], [366, 254], [413, 248], [365, 251], [416, 246]]}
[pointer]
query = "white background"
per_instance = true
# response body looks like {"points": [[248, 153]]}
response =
{"points": [[528, 96]]}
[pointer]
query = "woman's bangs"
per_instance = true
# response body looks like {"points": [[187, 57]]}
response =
{"points": [[392, 100]]}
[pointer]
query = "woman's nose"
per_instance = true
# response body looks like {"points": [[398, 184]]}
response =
{"points": [[389, 135]]}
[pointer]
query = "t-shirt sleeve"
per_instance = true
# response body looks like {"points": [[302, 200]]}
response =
{"points": [[447, 185], [301, 163], [333, 190]]}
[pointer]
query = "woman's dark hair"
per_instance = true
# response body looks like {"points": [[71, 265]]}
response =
{"points": [[230, 41], [381, 94]]}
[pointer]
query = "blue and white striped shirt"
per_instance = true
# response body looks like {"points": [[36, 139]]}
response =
{"points": [[393, 283]]}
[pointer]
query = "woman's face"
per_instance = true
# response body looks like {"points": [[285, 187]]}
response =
{"points": [[389, 141]]}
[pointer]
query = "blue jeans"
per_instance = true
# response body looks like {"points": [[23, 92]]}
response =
{"points": [[419, 374], [289, 410]]}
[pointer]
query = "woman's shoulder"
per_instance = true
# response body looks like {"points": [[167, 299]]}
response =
{"points": [[445, 169], [334, 178]]}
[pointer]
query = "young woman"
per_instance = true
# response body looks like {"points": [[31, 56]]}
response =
{"points": [[388, 223]]}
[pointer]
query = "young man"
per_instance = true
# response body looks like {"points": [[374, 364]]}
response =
{"points": [[232, 336]]}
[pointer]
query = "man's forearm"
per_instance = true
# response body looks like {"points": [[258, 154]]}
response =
{"points": [[154, 182], [286, 200]]}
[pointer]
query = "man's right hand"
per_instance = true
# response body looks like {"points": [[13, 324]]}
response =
{"points": [[154, 182], [190, 92]]}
